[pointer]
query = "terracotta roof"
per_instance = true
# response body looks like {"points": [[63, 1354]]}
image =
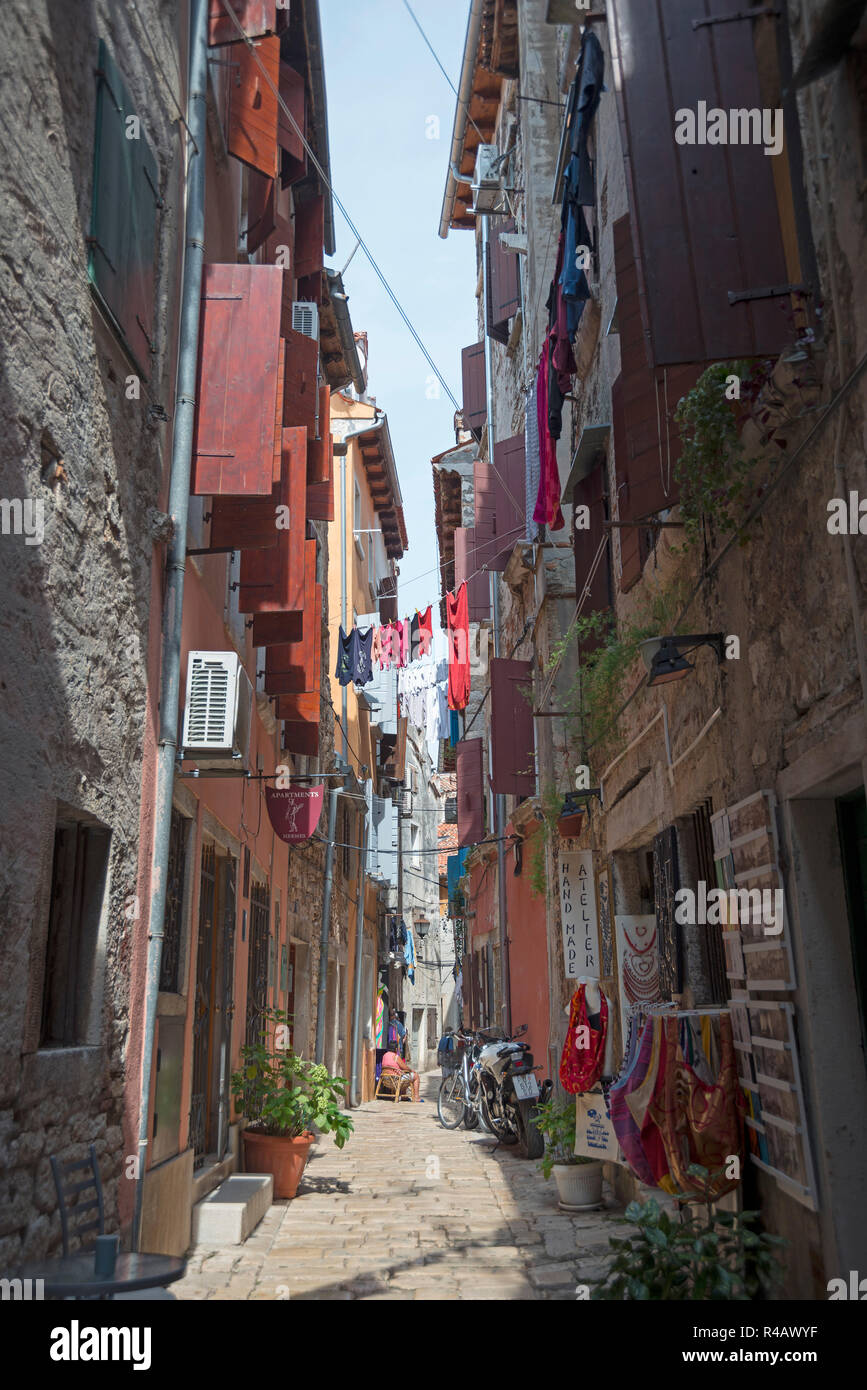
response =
{"points": [[447, 843]]}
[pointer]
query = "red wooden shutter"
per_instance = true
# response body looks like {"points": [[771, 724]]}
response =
{"points": [[503, 279], [309, 237], [276, 629], [510, 487], [272, 581], [301, 382], [467, 569], [236, 392], [293, 162], [256, 17], [296, 667], [319, 451], [252, 124], [590, 492], [475, 411], [512, 741], [631, 558], [485, 511], [320, 501], [301, 736], [467, 989], [705, 217], [242, 523], [471, 795], [261, 209]]}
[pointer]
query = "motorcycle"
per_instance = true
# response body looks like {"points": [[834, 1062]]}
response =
{"points": [[510, 1092]]}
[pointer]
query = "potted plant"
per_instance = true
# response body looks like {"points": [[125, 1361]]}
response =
{"points": [[578, 1179], [286, 1101], [571, 817]]}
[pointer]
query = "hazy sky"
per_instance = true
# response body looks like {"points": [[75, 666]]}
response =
{"points": [[383, 86]]}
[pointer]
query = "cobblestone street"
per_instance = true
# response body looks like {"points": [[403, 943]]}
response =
{"points": [[410, 1210]]}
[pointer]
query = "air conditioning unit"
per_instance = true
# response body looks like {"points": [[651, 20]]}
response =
{"points": [[305, 318], [487, 179], [219, 709]]}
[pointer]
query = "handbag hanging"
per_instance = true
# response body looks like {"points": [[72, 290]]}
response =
{"points": [[581, 1067]]}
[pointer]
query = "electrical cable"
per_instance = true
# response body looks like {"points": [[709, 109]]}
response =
{"points": [[328, 184], [430, 46]]}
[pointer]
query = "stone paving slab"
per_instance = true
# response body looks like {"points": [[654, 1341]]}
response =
{"points": [[410, 1210]]}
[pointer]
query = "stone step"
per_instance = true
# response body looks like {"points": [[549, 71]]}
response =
{"points": [[234, 1209]]}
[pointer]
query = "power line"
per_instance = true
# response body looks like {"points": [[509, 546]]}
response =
{"points": [[433, 53], [328, 184]]}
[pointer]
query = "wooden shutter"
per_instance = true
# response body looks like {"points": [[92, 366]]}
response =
{"points": [[272, 581], [468, 571], [309, 237], [243, 523], [261, 209], [276, 629], [705, 217], [296, 667], [590, 492], [475, 411], [301, 382], [510, 485], [503, 280], [236, 391], [320, 501], [252, 121], [256, 17], [467, 990], [632, 553], [471, 793], [513, 764], [319, 451], [666, 882], [485, 513], [293, 158], [122, 242]]}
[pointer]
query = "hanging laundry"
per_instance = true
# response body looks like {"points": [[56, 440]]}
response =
{"points": [[547, 511], [362, 668], [454, 728], [346, 644], [409, 955], [457, 609], [403, 642], [376, 648], [531, 461], [425, 631]]}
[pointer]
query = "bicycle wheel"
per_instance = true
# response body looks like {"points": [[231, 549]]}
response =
{"points": [[471, 1111], [451, 1101]]}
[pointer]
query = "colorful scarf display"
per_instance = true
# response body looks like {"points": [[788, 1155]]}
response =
{"points": [[581, 1066]]}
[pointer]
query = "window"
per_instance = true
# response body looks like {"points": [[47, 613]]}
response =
{"points": [[123, 225], [170, 962], [414, 840], [345, 838], [356, 522], [70, 1009], [451, 810], [371, 566]]}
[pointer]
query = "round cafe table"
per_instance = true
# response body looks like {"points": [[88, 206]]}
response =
{"points": [[73, 1276]]}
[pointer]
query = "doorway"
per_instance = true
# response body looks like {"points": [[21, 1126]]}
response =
{"points": [[213, 1006]]}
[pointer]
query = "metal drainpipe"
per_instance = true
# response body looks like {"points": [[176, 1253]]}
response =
{"points": [[356, 983], [179, 494], [343, 595], [325, 933], [499, 799]]}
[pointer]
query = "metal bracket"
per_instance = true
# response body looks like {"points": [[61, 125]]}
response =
{"points": [[768, 292], [755, 13]]}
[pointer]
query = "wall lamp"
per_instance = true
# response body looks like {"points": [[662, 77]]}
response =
{"points": [[665, 657]]}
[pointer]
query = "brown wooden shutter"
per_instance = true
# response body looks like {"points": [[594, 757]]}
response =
{"points": [[252, 123], [293, 160], [320, 501], [320, 451], [503, 282], [471, 794], [467, 989], [243, 523], [475, 411], [295, 668], [705, 217], [236, 392], [509, 497], [276, 629], [272, 581], [485, 513], [261, 209], [590, 492], [301, 382], [309, 237], [256, 17], [631, 557], [512, 740], [467, 570]]}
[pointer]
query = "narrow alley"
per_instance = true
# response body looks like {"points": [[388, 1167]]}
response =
{"points": [[410, 1210]]}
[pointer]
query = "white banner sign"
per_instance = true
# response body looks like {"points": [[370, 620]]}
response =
{"points": [[578, 913]]}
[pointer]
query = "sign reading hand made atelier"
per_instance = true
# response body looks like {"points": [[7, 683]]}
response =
{"points": [[578, 913], [294, 812]]}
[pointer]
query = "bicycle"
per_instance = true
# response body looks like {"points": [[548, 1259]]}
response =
{"points": [[460, 1093]]}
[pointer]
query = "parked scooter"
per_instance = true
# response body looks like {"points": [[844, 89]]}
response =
{"points": [[510, 1093]]}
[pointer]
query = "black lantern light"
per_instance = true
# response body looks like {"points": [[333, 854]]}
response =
{"points": [[665, 657]]}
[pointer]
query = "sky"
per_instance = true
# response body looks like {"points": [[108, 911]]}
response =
{"points": [[383, 88]]}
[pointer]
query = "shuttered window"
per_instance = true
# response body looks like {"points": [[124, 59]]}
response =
{"points": [[469, 571], [123, 226], [252, 101], [295, 668], [320, 451], [256, 17], [471, 797], [301, 382], [503, 282], [309, 237], [485, 512], [261, 209], [293, 157], [513, 766], [320, 501], [589, 492], [272, 580], [509, 497], [236, 391], [705, 217], [473, 373]]}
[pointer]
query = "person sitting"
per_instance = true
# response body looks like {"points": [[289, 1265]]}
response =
{"points": [[397, 1033], [391, 1062]]}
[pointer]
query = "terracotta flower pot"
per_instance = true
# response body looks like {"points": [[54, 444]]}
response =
{"points": [[570, 825], [285, 1159]]}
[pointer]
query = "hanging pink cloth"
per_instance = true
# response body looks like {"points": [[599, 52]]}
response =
{"points": [[547, 510]]}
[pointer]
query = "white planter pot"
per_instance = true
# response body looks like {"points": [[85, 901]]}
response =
{"points": [[579, 1185]]}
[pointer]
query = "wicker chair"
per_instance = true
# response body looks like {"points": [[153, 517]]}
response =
{"points": [[391, 1083]]}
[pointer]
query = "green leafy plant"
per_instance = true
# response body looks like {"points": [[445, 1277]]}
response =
{"points": [[551, 804], [555, 1119], [687, 1258], [286, 1095]]}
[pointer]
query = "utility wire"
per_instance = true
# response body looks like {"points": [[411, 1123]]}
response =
{"points": [[328, 184], [433, 53]]}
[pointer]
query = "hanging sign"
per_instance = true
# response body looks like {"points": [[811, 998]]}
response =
{"points": [[294, 811], [578, 914]]}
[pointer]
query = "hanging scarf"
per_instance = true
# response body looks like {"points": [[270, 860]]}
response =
{"points": [[625, 1126], [581, 1067], [547, 509]]}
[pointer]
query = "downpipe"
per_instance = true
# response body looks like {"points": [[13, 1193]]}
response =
{"points": [[325, 931], [178, 505], [354, 1100]]}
